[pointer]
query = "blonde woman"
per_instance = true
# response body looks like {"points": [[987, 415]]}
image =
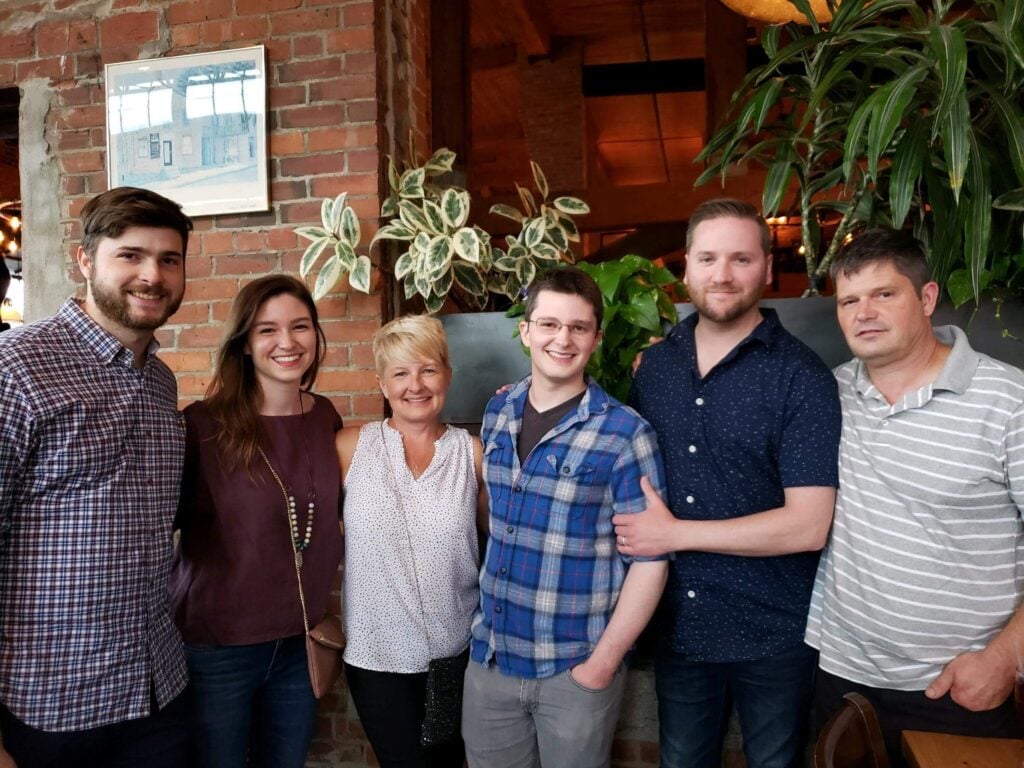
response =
{"points": [[413, 499]]}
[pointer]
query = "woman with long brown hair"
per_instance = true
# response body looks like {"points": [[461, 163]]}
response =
{"points": [[259, 508]]}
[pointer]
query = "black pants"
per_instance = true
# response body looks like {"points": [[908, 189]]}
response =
{"points": [[160, 740], [900, 711], [390, 707]]}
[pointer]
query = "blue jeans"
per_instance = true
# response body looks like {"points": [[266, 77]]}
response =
{"points": [[251, 704], [772, 697]]}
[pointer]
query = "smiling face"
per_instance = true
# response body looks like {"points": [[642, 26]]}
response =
{"points": [[135, 281], [727, 269], [281, 342], [558, 360], [883, 317], [415, 389]]}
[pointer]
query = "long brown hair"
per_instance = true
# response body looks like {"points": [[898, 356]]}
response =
{"points": [[233, 394]]}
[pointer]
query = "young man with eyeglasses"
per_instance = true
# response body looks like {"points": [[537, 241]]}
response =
{"points": [[559, 607], [748, 420]]}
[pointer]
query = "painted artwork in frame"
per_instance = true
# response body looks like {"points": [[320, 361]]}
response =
{"points": [[193, 128]]}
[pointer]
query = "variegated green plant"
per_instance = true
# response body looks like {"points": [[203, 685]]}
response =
{"points": [[442, 249], [892, 113], [546, 230], [338, 237]]}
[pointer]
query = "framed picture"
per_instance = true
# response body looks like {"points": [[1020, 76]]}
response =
{"points": [[193, 128]]}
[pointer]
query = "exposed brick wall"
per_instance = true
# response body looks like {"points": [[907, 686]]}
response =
{"points": [[323, 132]]}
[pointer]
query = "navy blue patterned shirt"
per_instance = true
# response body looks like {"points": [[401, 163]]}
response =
{"points": [[764, 419]]}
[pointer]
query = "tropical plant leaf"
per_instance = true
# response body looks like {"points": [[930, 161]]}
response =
{"points": [[345, 255], [526, 198], [571, 205], [454, 207], [572, 232], [1012, 120], [327, 278], [546, 251], [1010, 201], [500, 209], [394, 179], [533, 232], [855, 134], [435, 219], [433, 304], [409, 288], [393, 232], [326, 213], [467, 244], [959, 287], [412, 183], [389, 207], [893, 102], [337, 213], [540, 180], [505, 263], [312, 254], [906, 169], [469, 279], [413, 217], [526, 270], [404, 265], [442, 161], [359, 277], [949, 49], [439, 255], [776, 183], [312, 233], [956, 130], [978, 223], [349, 226]]}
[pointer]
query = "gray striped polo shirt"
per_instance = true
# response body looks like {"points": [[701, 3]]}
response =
{"points": [[926, 556]]}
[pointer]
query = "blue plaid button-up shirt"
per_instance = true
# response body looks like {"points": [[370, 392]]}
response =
{"points": [[552, 575], [91, 451]]}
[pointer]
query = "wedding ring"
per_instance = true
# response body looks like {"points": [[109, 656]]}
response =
{"points": [[622, 540]]}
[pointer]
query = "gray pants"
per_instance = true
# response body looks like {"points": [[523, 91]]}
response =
{"points": [[554, 722]]}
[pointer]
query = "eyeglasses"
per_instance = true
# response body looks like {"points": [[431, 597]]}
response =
{"points": [[550, 327]]}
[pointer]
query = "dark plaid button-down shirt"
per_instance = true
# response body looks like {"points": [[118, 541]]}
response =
{"points": [[91, 451]]}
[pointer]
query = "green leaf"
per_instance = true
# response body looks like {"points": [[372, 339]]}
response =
{"points": [[442, 161], [854, 134], [1010, 201], [345, 255], [393, 232], [526, 198], [337, 212], [533, 233], [505, 263], [804, 6], [421, 242], [404, 265], [433, 304], [327, 279], [326, 213], [643, 311], [1012, 121], [572, 232], [770, 39], [956, 129], [454, 207], [846, 15], [906, 169], [468, 278], [526, 270], [389, 207], [894, 100], [978, 224], [442, 284], [467, 244], [413, 217], [311, 254], [350, 232], [312, 233], [394, 180], [776, 184], [409, 286], [547, 252], [949, 49], [540, 180], [435, 219], [412, 183], [359, 277], [500, 209], [571, 205], [439, 255], [959, 287]]}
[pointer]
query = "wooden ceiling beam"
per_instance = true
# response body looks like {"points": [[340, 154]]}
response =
{"points": [[534, 24]]}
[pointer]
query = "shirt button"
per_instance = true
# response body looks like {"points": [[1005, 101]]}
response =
{"points": [[497, 609], [885, 422], [566, 470], [518, 489], [510, 529], [692, 449], [699, 401], [503, 569], [689, 499], [691, 593]]}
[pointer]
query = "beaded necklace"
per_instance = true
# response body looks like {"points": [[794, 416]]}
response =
{"points": [[301, 542]]}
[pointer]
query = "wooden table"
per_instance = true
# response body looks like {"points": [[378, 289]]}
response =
{"points": [[941, 750]]}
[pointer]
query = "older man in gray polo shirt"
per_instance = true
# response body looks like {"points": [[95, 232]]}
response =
{"points": [[916, 599]]}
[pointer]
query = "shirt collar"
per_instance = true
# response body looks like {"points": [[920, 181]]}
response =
{"points": [[595, 399], [103, 344], [956, 373]]}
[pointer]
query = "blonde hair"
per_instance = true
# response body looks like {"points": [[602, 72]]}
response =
{"points": [[413, 337]]}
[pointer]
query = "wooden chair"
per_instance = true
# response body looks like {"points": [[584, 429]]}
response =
{"points": [[852, 738]]}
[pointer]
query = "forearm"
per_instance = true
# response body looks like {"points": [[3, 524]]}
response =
{"points": [[638, 599], [801, 525]]}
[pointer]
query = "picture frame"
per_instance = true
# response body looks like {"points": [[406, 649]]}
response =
{"points": [[192, 128]]}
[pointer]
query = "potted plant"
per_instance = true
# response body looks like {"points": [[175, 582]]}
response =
{"points": [[892, 114]]}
